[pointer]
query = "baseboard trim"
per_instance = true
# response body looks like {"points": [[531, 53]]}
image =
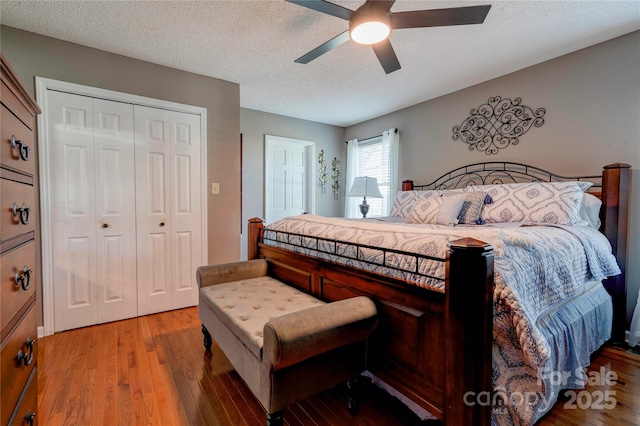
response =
{"points": [[41, 332]]}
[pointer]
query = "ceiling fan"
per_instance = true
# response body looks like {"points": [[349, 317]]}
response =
{"points": [[372, 23]]}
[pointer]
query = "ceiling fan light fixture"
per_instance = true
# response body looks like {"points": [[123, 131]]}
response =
{"points": [[369, 27]]}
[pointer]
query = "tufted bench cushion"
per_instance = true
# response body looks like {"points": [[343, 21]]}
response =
{"points": [[285, 344], [245, 306]]}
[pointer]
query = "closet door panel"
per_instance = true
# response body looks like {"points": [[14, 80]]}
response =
{"points": [[93, 214], [186, 214], [70, 126], [153, 140], [115, 210]]}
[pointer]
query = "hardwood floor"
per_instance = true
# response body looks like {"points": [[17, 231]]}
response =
{"points": [[153, 370], [614, 374]]}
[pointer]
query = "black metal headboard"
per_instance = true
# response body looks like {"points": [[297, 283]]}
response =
{"points": [[499, 172]]}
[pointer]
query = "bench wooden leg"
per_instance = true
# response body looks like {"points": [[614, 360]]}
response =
{"points": [[353, 396], [207, 338], [275, 419]]}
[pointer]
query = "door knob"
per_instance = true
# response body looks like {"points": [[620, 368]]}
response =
{"points": [[105, 225], [161, 224]]}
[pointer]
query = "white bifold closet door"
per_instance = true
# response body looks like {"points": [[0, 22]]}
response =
{"points": [[93, 217], [168, 205], [126, 209]]}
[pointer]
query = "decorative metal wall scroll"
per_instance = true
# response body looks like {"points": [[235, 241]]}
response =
{"points": [[323, 172], [497, 124], [335, 167]]}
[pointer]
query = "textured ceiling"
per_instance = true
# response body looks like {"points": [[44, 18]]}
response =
{"points": [[254, 44]]}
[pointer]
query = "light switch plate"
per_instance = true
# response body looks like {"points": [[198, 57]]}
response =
{"points": [[215, 188]]}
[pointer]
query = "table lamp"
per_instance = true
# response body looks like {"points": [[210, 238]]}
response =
{"points": [[362, 187]]}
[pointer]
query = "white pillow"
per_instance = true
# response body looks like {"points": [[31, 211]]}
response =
{"points": [[437, 210], [538, 202], [590, 211]]}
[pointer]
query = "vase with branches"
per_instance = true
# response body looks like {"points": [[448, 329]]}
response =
{"points": [[323, 172], [335, 167]]}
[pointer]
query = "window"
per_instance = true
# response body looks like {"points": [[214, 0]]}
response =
{"points": [[374, 162], [374, 157]]}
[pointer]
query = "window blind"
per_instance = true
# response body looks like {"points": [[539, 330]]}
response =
{"points": [[374, 161]]}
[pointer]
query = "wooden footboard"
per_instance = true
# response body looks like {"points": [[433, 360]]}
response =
{"points": [[433, 347]]}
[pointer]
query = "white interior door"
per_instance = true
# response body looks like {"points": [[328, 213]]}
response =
{"points": [[186, 208], [287, 175], [115, 210], [169, 209], [93, 266]]}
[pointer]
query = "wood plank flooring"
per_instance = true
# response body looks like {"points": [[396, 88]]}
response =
{"points": [[153, 370]]}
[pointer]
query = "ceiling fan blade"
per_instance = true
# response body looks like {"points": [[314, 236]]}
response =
{"points": [[440, 17], [323, 48], [386, 55], [325, 7], [384, 4]]}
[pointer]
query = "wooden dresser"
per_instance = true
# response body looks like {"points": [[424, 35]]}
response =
{"points": [[19, 235]]}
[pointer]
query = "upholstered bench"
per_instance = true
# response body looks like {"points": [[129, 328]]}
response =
{"points": [[285, 344]]}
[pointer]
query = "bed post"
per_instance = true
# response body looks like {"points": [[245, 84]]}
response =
{"points": [[616, 181], [253, 236], [407, 185], [468, 333]]}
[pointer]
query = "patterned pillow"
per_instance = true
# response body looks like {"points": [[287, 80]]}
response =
{"points": [[406, 200], [538, 202], [437, 210], [584, 185], [452, 191], [472, 207]]}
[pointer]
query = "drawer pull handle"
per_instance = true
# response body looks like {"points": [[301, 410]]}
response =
{"points": [[30, 417], [161, 224], [22, 148], [23, 279], [23, 211], [22, 356]]}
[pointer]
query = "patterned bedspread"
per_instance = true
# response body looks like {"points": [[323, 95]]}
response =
{"points": [[537, 268]]}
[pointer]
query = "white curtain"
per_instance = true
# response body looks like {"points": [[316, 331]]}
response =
{"points": [[634, 332], [351, 203], [390, 144]]}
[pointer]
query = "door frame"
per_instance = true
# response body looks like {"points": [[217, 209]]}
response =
{"points": [[43, 85], [310, 154]]}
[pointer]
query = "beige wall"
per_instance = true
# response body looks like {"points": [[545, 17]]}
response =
{"points": [[254, 125], [33, 55], [592, 102]]}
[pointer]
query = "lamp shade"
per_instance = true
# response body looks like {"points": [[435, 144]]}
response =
{"points": [[365, 186]]}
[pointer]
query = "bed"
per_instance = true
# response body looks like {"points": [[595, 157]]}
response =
{"points": [[463, 333]]}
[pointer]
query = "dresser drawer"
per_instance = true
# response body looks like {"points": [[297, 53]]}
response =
{"points": [[25, 412], [11, 101], [14, 374], [14, 297], [22, 196], [20, 155]]}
